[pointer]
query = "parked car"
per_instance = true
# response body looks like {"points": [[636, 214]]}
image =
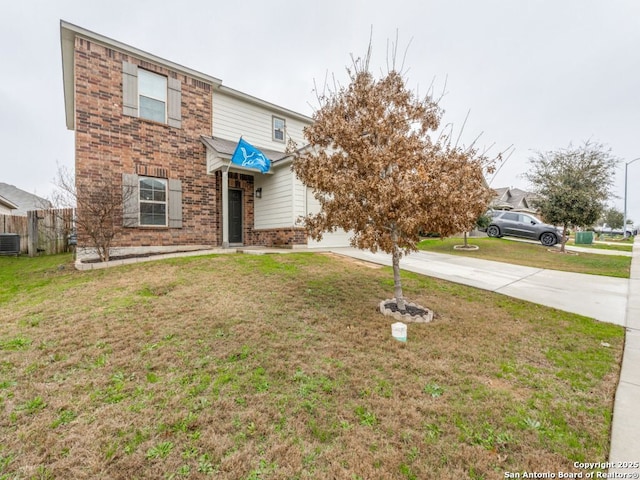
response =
{"points": [[523, 225], [606, 230]]}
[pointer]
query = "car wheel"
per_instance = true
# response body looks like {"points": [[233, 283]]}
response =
{"points": [[493, 231], [548, 239]]}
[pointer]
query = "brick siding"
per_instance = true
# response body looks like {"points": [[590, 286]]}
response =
{"points": [[281, 237], [109, 143]]}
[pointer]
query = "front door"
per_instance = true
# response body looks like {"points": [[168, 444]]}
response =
{"points": [[235, 216]]}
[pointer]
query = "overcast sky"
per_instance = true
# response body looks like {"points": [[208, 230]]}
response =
{"points": [[533, 74]]}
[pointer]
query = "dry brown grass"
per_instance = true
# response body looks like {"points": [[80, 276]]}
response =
{"points": [[172, 369]]}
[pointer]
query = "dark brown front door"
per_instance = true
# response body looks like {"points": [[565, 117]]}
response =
{"points": [[235, 216]]}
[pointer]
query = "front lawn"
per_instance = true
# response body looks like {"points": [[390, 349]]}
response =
{"points": [[533, 255], [279, 367]]}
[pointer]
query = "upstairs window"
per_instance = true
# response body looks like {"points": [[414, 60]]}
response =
{"points": [[278, 129], [151, 96], [152, 89], [153, 202]]}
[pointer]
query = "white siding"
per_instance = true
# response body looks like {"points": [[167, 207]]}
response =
{"points": [[233, 118], [283, 195], [274, 209], [339, 238], [299, 199]]}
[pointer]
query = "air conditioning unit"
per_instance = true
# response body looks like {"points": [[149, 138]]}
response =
{"points": [[9, 244]]}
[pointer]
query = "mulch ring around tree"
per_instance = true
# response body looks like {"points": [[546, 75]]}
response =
{"points": [[467, 248], [413, 313]]}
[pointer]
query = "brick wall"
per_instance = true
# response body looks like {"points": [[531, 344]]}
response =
{"points": [[281, 237], [109, 143]]}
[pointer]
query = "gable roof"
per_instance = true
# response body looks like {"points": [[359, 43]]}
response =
{"points": [[23, 201]]}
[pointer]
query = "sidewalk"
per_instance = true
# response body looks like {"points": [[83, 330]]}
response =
{"points": [[625, 430], [585, 249], [613, 300]]}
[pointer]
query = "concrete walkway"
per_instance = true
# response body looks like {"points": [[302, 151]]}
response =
{"points": [[613, 300], [599, 251], [585, 249]]}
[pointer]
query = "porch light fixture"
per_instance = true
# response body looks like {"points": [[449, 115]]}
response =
{"points": [[259, 192]]}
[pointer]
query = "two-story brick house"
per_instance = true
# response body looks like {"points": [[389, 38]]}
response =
{"points": [[166, 133]]}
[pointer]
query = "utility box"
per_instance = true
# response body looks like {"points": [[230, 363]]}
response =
{"points": [[584, 238], [9, 244]]}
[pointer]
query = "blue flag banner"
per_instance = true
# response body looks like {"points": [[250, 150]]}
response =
{"points": [[249, 156]]}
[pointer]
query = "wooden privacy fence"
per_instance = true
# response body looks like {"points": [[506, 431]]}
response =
{"points": [[41, 231]]}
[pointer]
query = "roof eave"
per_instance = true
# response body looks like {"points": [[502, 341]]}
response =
{"points": [[8, 203], [67, 38]]}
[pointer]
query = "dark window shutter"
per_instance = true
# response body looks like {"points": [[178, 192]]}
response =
{"points": [[129, 89], [130, 211], [175, 203], [174, 103]]}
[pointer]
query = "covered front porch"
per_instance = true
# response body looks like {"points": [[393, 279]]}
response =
{"points": [[256, 209]]}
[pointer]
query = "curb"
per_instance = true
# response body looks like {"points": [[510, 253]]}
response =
{"points": [[624, 449]]}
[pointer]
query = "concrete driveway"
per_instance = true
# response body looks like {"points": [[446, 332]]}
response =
{"points": [[595, 296]]}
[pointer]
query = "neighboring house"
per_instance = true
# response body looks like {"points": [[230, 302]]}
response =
{"points": [[166, 133], [513, 199], [6, 206], [22, 201]]}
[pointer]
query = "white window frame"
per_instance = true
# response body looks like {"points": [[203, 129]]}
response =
{"points": [[274, 129], [142, 72], [165, 202]]}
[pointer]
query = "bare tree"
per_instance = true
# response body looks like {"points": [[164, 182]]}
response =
{"points": [[380, 171], [99, 203]]}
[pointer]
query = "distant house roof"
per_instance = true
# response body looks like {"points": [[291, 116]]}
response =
{"points": [[23, 201], [7, 203], [513, 199]]}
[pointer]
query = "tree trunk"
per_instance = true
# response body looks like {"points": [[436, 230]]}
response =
{"points": [[563, 240], [397, 282], [465, 240]]}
